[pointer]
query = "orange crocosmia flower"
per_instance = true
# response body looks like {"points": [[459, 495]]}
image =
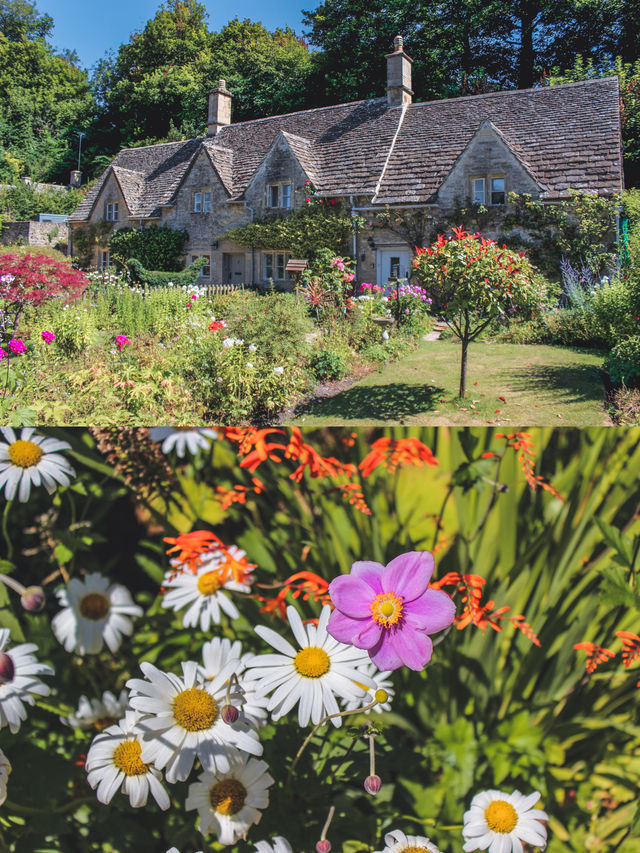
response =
{"points": [[191, 546], [519, 623], [395, 453], [595, 655], [239, 570], [630, 646], [318, 466]]}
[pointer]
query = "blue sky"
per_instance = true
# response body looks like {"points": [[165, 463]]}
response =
{"points": [[92, 28]]}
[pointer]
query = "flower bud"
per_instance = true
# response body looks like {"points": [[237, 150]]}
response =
{"points": [[229, 714], [372, 784], [33, 599], [323, 846], [7, 668]]}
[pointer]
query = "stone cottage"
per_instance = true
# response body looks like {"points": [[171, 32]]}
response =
{"points": [[373, 154]]}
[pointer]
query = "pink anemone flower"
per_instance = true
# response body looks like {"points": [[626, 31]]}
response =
{"points": [[390, 610]]}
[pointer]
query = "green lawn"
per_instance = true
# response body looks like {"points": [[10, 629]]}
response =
{"points": [[542, 385]]}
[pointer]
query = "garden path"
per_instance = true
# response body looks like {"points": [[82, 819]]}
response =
{"points": [[509, 384]]}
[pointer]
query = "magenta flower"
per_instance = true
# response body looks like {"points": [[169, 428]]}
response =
{"points": [[3, 353], [48, 337], [122, 341], [16, 346], [390, 610]]}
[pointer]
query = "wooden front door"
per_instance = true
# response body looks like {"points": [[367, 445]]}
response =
{"points": [[232, 268]]}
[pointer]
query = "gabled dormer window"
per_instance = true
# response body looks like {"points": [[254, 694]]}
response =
{"points": [[111, 211], [279, 195], [202, 201]]}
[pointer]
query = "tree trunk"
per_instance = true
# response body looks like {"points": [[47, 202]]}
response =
{"points": [[463, 368], [526, 58]]}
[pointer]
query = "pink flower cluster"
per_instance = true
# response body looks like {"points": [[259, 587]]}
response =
{"points": [[48, 337], [122, 341], [17, 346], [338, 262], [374, 288], [192, 300]]}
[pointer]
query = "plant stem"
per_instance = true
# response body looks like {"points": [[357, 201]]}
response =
{"points": [[5, 532]]}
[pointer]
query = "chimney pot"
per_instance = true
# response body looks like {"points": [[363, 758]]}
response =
{"points": [[76, 178], [399, 91]]}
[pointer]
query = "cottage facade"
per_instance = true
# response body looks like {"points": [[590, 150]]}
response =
{"points": [[380, 153]]}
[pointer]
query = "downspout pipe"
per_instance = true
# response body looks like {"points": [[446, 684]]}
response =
{"points": [[253, 251], [354, 228]]}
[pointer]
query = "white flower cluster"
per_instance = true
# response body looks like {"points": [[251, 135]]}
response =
{"points": [[181, 440], [227, 343]]}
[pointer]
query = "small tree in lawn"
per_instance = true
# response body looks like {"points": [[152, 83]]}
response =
{"points": [[472, 281]]}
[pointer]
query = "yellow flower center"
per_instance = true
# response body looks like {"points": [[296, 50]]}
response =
{"points": [[227, 796], [94, 606], [414, 850], [381, 695], [501, 816], [312, 662], [194, 709], [386, 608], [25, 454], [208, 583], [126, 757]]}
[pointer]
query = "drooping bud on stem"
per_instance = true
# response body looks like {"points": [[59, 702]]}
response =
{"points": [[372, 784], [324, 846], [7, 669], [229, 714], [33, 599]]}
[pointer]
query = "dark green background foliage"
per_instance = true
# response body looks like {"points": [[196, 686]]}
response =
{"points": [[157, 248], [158, 278]]}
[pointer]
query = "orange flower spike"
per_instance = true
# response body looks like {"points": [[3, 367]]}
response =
{"points": [[630, 647], [192, 545], [595, 655]]}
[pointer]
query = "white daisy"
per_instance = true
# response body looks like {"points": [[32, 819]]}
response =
{"points": [[500, 822], [183, 439], [175, 850], [98, 713], [114, 762], [5, 769], [397, 841], [228, 803], [312, 675], [94, 613], [180, 719], [18, 668], [382, 683], [202, 590], [280, 845], [31, 459], [215, 655]]}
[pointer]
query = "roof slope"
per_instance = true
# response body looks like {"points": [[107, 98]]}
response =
{"points": [[568, 135]]}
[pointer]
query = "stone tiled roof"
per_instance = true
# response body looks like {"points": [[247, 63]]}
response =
{"points": [[568, 136]]}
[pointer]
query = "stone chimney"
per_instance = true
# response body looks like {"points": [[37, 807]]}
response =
{"points": [[399, 89], [76, 178], [219, 108]]}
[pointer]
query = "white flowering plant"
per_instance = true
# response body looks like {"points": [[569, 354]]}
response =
{"points": [[293, 641]]}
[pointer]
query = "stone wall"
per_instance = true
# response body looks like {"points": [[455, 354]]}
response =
{"points": [[53, 234]]}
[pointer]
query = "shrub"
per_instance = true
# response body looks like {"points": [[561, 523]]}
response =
{"points": [[160, 278], [328, 364], [623, 362], [156, 248]]}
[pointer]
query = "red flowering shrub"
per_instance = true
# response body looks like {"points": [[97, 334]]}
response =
{"points": [[36, 279]]}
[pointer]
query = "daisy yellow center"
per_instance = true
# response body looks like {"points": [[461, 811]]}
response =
{"points": [[227, 796], [25, 454], [312, 662], [208, 583], [126, 757], [194, 709], [94, 606], [386, 609], [501, 816], [414, 850]]}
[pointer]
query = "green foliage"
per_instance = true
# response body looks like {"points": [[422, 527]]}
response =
{"points": [[156, 248], [87, 239], [328, 364], [581, 229], [623, 362], [20, 20], [302, 233], [14, 249], [25, 201], [154, 278]]}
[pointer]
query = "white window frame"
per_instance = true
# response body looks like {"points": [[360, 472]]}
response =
{"points": [[197, 202], [502, 178], [474, 190], [205, 272], [273, 190], [285, 197], [206, 201], [111, 211], [274, 264]]}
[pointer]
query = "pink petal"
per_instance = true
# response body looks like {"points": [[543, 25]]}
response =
{"points": [[369, 572], [384, 655], [344, 628], [352, 596], [433, 611], [413, 648], [368, 636], [408, 575]]}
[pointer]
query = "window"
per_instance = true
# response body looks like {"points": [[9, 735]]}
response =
{"points": [[279, 195], [497, 191], [205, 272], [202, 201], [111, 211], [206, 202], [478, 190], [274, 266], [104, 260], [197, 202]]}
